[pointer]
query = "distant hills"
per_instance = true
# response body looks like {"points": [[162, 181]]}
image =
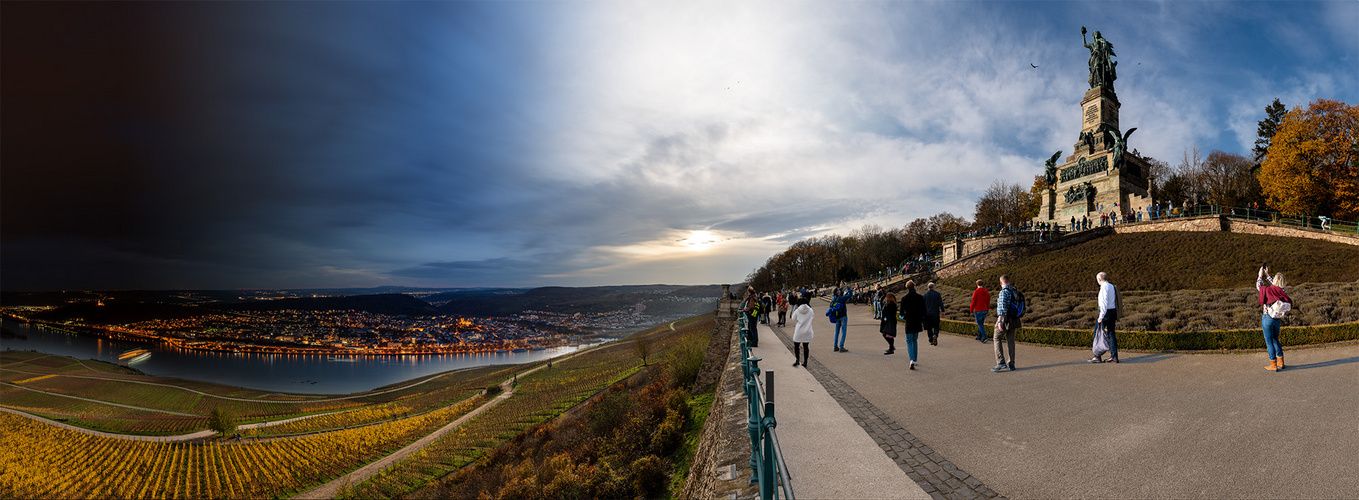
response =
{"points": [[394, 304], [120, 307], [657, 300], [119, 311]]}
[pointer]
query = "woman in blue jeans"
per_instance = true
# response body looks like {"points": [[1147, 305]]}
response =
{"points": [[1272, 291]]}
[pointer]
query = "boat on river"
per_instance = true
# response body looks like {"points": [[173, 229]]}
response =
{"points": [[134, 355]]}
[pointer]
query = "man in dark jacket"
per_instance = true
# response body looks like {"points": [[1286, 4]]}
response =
{"points": [[934, 308], [913, 311], [766, 304]]}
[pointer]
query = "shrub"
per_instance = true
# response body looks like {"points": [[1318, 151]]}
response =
{"points": [[1180, 341], [221, 422], [648, 476]]}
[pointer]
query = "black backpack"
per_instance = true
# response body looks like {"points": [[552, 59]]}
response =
{"points": [[1017, 305]]}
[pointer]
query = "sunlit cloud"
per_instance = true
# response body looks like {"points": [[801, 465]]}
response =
{"points": [[540, 143]]}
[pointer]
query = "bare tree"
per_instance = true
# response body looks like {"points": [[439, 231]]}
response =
{"points": [[642, 347], [1003, 202]]}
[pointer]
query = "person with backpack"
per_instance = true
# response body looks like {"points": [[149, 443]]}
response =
{"points": [[913, 311], [838, 313], [981, 304], [934, 308], [750, 307], [1010, 311], [1108, 317], [1274, 303]]}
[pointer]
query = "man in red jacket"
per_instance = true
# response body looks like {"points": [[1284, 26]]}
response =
{"points": [[981, 304]]}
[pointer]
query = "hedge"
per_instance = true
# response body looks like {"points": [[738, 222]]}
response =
{"points": [[1168, 341]]}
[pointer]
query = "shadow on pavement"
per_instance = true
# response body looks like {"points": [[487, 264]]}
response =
{"points": [[1051, 365], [1147, 358], [1323, 364]]}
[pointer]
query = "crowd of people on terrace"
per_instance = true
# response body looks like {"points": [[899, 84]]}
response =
{"points": [[922, 312]]}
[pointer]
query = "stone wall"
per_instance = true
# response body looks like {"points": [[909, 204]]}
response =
{"points": [[1256, 227], [1212, 223], [996, 255], [1202, 223], [721, 466], [715, 359]]}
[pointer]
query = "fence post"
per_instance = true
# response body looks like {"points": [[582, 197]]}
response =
{"points": [[753, 423], [767, 471]]}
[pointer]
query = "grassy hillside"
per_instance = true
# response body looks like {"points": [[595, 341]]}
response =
{"points": [[1164, 261], [1176, 281]]}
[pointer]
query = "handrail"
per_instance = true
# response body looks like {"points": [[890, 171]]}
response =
{"points": [[767, 466]]}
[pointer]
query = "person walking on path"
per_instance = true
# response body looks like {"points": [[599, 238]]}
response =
{"points": [[1008, 323], [981, 302], [802, 329], [839, 305], [750, 307], [934, 308], [1274, 302], [913, 311], [766, 305], [888, 326], [878, 297], [1108, 318], [783, 309]]}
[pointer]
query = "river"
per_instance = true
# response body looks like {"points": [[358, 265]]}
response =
{"points": [[307, 374]]}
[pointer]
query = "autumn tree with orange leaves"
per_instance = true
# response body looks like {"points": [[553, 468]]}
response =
{"points": [[1312, 165]]}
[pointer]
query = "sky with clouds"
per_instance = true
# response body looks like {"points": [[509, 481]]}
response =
{"points": [[459, 144]]}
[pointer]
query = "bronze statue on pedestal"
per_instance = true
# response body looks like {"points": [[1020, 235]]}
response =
{"points": [[1102, 65]]}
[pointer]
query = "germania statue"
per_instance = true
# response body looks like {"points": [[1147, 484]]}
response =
{"points": [[1102, 64]]}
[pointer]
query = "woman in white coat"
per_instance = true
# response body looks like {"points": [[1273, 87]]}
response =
{"points": [[802, 330]]}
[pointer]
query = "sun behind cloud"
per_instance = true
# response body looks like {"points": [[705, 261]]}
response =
{"points": [[699, 241]]}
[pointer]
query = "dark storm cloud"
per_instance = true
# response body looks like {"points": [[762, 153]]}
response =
{"points": [[268, 138]]}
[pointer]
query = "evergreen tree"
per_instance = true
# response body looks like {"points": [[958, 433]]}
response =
{"points": [[1268, 126]]}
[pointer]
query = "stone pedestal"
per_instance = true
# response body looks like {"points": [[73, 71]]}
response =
{"points": [[1088, 182]]}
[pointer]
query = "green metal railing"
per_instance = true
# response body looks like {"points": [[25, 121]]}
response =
{"points": [[766, 458]]}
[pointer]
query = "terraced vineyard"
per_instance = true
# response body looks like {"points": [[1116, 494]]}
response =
{"points": [[537, 398], [70, 391], [338, 434], [43, 461]]}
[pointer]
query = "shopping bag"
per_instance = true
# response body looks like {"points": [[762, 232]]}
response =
{"points": [[1101, 344]]}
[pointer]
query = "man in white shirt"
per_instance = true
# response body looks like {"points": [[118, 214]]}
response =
{"points": [[1108, 312]]}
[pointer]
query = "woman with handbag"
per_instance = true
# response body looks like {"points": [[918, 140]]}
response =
{"points": [[888, 327], [1274, 302]]}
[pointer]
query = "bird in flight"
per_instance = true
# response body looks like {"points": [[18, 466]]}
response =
{"points": [[1031, 64]]}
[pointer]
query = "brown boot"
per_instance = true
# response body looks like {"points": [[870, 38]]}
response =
{"points": [[1280, 360], [1273, 365]]}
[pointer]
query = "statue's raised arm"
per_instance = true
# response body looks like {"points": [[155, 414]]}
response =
{"points": [[1101, 64]]}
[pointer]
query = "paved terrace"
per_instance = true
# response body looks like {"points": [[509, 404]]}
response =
{"points": [[1157, 425]]}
